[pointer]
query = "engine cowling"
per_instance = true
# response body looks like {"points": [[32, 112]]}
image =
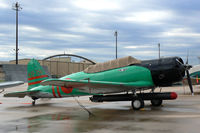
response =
{"points": [[165, 71]]}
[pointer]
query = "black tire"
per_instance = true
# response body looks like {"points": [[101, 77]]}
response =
{"points": [[156, 102], [137, 104]]}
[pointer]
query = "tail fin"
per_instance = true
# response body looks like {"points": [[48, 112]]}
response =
{"points": [[36, 74]]}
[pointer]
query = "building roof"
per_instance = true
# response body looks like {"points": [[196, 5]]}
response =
{"points": [[120, 62]]}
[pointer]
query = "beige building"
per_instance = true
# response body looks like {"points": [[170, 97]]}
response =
{"points": [[59, 67]]}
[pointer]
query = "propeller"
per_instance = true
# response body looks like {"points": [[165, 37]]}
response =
{"points": [[187, 67], [189, 82]]}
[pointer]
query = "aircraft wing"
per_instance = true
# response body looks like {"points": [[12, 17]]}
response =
{"points": [[20, 94], [8, 84], [99, 87]]}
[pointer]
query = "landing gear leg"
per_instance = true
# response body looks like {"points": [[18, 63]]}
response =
{"points": [[34, 99], [33, 102], [137, 104], [152, 90]]}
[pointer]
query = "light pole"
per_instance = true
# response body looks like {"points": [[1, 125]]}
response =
{"points": [[158, 50], [17, 8], [116, 43]]}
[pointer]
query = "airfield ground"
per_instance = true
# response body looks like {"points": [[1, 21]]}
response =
{"points": [[66, 116]]}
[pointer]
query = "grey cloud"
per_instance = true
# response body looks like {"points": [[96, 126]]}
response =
{"points": [[56, 26]]}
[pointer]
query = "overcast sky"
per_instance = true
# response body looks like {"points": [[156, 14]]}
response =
{"points": [[86, 28]]}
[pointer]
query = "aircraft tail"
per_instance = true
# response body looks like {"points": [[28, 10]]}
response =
{"points": [[36, 74]]}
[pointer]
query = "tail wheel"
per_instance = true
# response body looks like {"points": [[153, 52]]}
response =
{"points": [[156, 102], [137, 104], [34, 99]]}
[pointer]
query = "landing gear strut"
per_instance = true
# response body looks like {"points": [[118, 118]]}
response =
{"points": [[33, 102], [34, 99]]}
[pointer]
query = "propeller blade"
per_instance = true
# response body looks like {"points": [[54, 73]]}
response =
{"points": [[189, 82], [187, 58]]}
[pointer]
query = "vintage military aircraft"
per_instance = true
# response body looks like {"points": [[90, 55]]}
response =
{"points": [[124, 75]]}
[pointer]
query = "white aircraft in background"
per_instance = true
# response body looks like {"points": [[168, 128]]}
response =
{"points": [[9, 84], [194, 75]]}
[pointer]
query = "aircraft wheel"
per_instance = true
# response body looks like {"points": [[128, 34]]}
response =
{"points": [[137, 104], [156, 102]]}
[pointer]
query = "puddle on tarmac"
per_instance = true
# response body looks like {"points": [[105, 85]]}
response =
{"points": [[80, 121], [105, 119]]}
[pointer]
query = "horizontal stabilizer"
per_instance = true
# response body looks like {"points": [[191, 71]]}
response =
{"points": [[20, 94]]}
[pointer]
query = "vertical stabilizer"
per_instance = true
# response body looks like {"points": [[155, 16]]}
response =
{"points": [[36, 74]]}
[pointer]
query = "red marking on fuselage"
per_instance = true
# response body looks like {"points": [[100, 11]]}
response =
{"points": [[33, 83], [37, 77], [67, 90], [68, 78], [58, 92], [54, 94]]}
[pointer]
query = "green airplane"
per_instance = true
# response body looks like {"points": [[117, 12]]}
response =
{"points": [[116, 80]]}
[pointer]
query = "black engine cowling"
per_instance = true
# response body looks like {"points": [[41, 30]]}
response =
{"points": [[165, 71]]}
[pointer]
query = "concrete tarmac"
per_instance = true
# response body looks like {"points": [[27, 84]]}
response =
{"points": [[17, 115]]}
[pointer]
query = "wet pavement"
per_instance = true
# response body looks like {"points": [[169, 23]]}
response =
{"points": [[65, 115]]}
